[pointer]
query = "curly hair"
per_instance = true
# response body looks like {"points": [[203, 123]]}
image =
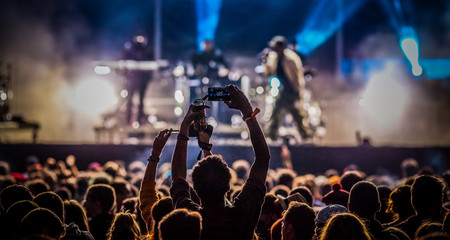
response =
{"points": [[211, 178]]}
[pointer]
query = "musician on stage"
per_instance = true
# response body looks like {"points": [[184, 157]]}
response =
{"points": [[287, 66], [209, 62], [137, 80], [211, 69]]}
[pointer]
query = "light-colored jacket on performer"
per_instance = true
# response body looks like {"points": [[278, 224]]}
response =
{"points": [[292, 66]]}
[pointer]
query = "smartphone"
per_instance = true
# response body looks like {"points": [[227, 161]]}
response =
{"points": [[218, 94]]}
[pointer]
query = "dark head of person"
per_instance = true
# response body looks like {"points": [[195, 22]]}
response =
{"points": [[160, 209], [181, 224], [427, 195], [52, 202], [100, 199], [211, 178], [270, 212], [124, 227], [364, 199], [345, 226], [12, 194], [42, 221], [400, 202], [305, 192], [75, 214], [298, 222], [349, 179], [278, 44]]}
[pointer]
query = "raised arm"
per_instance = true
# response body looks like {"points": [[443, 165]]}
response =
{"points": [[260, 166], [180, 153], [147, 194]]}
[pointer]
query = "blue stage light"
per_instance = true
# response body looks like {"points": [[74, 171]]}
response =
{"points": [[410, 47], [207, 19], [324, 20], [436, 68]]}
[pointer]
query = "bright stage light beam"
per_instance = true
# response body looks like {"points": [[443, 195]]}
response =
{"points": [[208, 12], [93, 96], [410, 48], [384, 98], [323, 21]]}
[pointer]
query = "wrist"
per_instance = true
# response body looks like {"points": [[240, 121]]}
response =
{"points": [[246, 112], [252, 115], [153, 158]]}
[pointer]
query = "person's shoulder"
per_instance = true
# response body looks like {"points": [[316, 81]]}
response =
{"points": [[291, 55]]}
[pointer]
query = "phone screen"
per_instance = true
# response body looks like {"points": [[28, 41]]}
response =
{"points": [[218, 94]]}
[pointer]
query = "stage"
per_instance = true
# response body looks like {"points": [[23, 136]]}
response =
{"points": [[369, 74], [305, 158]]}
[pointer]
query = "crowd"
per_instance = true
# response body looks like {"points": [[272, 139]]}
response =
{"points": [[247, 200]]}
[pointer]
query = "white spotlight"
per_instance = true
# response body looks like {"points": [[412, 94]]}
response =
{"points": [[124, 93], [178, 111], [179, 96], [274, 92], [102, 70], [259, 90]]}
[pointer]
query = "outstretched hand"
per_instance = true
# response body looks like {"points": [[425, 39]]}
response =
{"points": [[238, 100], [191, 115], [160, 141]]}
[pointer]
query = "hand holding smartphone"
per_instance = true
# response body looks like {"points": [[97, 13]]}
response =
{"points": [[218, 94]]}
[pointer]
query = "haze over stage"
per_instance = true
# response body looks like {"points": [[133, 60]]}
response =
{"points": [[366, 53]]}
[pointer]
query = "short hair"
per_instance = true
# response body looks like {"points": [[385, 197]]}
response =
{"points": [[121, 187], [305, 192], [280, 190], [350, 178], [42, 221], [211, 178], [15, 214], [75, 213], [4, 168], [426, 228], [52, 202], [111, 168], [271, 205], [37, 186], [278, 41], [181, 224], [364, 199], [64, 193], [400, 201], [286, 177], [12, 194], [104, 194], [20, 209], [242, 168], [345, 226], [301, 217], [426, 193], [436, 236], [160, 209], [410, 167], [124, 227]]}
